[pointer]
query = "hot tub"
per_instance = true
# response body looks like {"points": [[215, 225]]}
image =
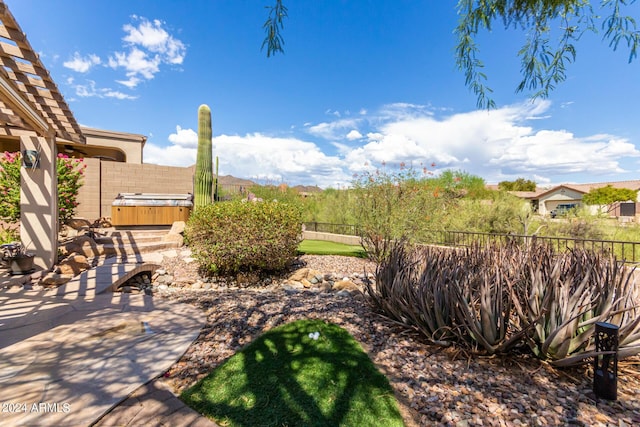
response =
{"points": [[150, 208]]}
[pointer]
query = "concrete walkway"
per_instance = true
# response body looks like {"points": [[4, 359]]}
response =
{"points": [[72, 354]]}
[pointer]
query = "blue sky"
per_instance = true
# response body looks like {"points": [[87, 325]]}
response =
{"points": [[360, 83]]}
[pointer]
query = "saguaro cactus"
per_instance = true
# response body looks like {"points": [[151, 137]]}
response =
{"points": [[204, 167], [216, 196]]}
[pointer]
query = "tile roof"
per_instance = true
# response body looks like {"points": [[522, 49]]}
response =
{"points": [[585, 188]]}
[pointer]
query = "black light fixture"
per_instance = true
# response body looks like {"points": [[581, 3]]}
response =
{"points": [[31, 159], [605, 364]]}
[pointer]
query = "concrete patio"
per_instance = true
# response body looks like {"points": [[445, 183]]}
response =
{"points": [[72, 354]]}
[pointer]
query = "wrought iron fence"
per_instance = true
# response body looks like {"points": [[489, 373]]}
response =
{"points": [[628, 252], [324, 227]]}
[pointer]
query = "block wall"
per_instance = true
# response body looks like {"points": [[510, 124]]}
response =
{"points": [[103, 180]]}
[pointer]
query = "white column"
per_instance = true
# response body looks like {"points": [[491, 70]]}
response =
{"points": [[39, 202]]}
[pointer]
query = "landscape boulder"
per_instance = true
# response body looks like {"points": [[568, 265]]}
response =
{"points": [[55, 279], [73, 265]]}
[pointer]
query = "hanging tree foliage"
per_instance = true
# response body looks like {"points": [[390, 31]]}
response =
{"points": [[552, 28]]}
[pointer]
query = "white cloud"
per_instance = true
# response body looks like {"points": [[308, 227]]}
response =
{"points": [[187, 138], [136, 63], [332, 130], [153, 37], [353, 135], [492, 144], [131, 82], [255, 156], [496, 145], [332, 113], [109, 93], [91, 90], [82, 64], [147, 46]]}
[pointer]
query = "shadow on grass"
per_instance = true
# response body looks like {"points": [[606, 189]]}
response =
{"points": [[286, 377]]}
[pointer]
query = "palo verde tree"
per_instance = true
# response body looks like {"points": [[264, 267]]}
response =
{"points": [[552, 28], [519, 184]]}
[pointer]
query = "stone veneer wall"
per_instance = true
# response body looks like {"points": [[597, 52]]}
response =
{"points": [[103, 180]]}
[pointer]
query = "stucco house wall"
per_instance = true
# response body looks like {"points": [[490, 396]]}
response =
{"points": [[556, 196]]}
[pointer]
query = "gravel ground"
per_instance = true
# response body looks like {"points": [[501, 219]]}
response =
{"points": [[434, 385]]}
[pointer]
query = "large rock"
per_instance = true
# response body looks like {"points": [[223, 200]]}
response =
{"points": [[172, 237], [55, 279], [345, 285], [176, 233], [305, 273], [177, 227], [76, 245], [85, 245], [78, 223], [73, 265]]}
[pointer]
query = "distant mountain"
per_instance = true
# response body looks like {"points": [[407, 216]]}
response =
{"points": [[307, 189], [232, 180]]}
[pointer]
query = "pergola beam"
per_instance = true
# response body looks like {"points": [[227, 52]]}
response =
{"points": [[14, 100]]}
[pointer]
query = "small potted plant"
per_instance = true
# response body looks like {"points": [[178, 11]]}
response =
{"points": [[16, 257]]}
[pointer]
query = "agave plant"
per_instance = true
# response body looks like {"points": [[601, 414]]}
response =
{"points": [[411, 288], [484, 300], [564, 295], [497, 297]]}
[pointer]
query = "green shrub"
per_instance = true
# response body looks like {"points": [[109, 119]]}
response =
{"points": [[232, 237], [578, 225], [70, 172], [8, 234]]}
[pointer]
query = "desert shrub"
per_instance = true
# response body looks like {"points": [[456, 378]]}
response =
{"points": [[496, 298], [10, 187], [281, 193], [8, 234], [333, 206], [499, 212], [396, 205], [578, 225], [70, 172], [231, 237]]}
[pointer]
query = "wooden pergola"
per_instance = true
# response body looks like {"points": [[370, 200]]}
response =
{"points": [[29, 98], [33, 112]]}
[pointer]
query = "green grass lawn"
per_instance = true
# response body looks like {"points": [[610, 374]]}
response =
{"points": [[286, 378], [322, 247]]}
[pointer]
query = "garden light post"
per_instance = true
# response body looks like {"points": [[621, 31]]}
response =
{"points": [[605, 364]]}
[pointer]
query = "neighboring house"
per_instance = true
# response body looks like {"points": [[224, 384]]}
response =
{"points": [[561, 195], [545, 200]]}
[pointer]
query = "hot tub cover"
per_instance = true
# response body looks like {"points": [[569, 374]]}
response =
{"points": [[153, 199]]}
